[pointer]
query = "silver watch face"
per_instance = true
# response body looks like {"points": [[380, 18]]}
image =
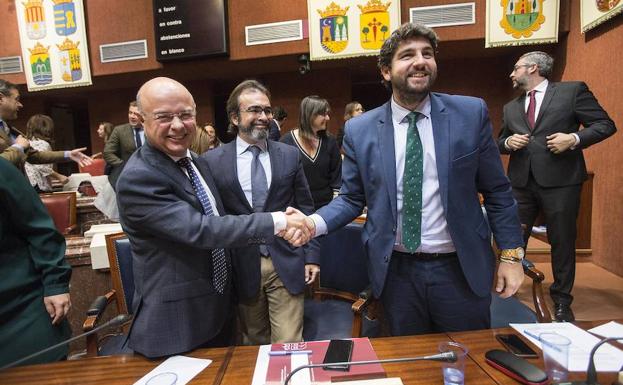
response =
{"points": [[520, 252]]}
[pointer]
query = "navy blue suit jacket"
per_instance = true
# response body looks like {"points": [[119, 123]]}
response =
{"points": [[288, 188], [175, 305], [468, 162]]}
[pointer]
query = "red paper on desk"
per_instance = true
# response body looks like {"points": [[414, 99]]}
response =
{"points": [[362, 351]]}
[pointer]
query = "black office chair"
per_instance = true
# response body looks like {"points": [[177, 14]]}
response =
{"points": [[122, 293], [341, 305]]}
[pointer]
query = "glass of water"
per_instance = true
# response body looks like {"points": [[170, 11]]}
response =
{"points": [[453, 372]]}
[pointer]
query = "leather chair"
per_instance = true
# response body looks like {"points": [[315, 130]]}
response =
{"points": [[62, 209], [341, 305], [122, 293], [95, 169]]}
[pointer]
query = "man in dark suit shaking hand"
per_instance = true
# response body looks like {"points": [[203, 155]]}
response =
{"points": [[254, 174], [171, 210], [546, 168]]}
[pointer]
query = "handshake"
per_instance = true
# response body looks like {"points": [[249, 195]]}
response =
{"points": [[300, 229]]}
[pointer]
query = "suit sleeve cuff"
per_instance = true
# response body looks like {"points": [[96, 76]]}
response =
{"points": [[321, 225], [279, 220], [66, 154]]}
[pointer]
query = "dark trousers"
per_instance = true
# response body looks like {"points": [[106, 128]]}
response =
{"points": [[560, 206], [427, 296]]}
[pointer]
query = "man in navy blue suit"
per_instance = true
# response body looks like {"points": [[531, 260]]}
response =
{"points": [[419, 162]]}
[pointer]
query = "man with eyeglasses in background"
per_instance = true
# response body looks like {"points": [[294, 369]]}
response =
{"points": [[123, 141], [172, 212], [255, 174], [540, 131]]}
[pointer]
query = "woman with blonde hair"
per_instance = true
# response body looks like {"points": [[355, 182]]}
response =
{"points": [[351, 110], [40, 132], [205, 139], [319, 152]]}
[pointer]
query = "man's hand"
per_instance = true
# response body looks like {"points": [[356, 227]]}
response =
{"points": [[518, 141], [22, 142], [77, 156], [560, 142], [299, 229], [509, 278], [57, 306], [311, 272]]}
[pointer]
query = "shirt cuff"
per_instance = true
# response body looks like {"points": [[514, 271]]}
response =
{"points": [[321, 225], [66, 154], [18, 147], [279, 220], [577, 140], [506, 144]]}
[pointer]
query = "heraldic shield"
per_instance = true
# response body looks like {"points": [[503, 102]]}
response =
{"points": [[522, 17], [374, 24], [333, 28], [69, 56], [606, 5], [40, 65], [64, 17], [35, 19]]}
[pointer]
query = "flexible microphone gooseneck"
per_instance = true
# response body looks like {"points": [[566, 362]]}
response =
{"points": [[441, 357], [591, 372], [114, 322]]}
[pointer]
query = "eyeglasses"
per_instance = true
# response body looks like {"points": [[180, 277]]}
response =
{"points": [[257, 110], [517, 66], [167, 117]]}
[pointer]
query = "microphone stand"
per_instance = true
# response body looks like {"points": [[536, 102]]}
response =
{"points": [[441, 357], [118, 320], [591, 372]]}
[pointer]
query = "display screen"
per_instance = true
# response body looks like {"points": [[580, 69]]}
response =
{"points": [[190, 28]]}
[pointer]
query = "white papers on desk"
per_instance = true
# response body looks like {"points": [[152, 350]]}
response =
{"points": [[610, 329], [302, 377], [607, 359], [186, 368]]}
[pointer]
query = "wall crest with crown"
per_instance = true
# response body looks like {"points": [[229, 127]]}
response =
{"points": [[349, 28], [53, 39]]}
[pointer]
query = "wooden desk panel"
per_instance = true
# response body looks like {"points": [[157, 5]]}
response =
{"points": [[111, 370], [481, 341]]}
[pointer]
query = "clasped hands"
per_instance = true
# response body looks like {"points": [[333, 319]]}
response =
{"points": [[556, 143], [300, 229]]}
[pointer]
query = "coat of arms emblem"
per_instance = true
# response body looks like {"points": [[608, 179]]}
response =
{"points": [[69, 56], [521, 18], [64, 17], [333, 28], [374, 25], [35, 19], [40, 65]]}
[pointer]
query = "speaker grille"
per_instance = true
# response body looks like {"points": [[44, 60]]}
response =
{"points": [[444, 15], [274, 32], [127, 50]]}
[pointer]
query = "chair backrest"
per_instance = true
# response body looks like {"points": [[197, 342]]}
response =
{"points": [[121, 270], [342, 260], [62, 209], [95, 169]]}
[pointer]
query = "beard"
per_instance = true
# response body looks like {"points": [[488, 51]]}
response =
{"points": [[413, 94], [254, 131], [520, 83]]}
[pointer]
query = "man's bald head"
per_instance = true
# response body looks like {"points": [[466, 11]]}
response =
{"points": [[169, 112]]}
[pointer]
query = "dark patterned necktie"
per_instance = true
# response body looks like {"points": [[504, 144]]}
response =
{"points": [[259, 186], [137, 137], [531, 109], [219, 264], [412, 187]]}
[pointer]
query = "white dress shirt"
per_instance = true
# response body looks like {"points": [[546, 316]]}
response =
{"points": [[203, 182], [244, 160]]}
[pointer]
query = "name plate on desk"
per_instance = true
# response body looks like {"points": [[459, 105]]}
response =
{"points": [[99, 254]]}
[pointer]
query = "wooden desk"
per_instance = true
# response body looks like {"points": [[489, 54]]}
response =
{"points": [[111, 370], [479, 342], [243, 360]]}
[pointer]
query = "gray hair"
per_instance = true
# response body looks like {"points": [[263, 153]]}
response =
{"points": [[543, 61], [6, 87]]}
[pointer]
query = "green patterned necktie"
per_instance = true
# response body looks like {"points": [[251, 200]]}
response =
{"points": [[412, 187]]}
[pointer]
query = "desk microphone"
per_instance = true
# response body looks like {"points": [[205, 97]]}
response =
{"points": [[441, 357], [591, 372], [114, 322]]}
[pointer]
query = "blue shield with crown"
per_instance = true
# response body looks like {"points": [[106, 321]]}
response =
{"points": [[64, 17], [333, 28]]}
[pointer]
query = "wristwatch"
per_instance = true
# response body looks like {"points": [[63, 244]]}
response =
{"points": [[512, 255]]}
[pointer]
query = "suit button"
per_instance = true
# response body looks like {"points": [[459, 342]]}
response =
{"points": [[386, 259], [532, 138], [394, 230]]}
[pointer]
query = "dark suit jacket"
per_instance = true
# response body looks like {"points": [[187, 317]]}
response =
{"points": [[468, 162], [118, 149], [273, 131], [288, 188], [175, 305], [565, 107]]}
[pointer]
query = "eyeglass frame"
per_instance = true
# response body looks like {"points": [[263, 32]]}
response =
{"points": [[168, 116], [268, 111], [518, 66]]}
